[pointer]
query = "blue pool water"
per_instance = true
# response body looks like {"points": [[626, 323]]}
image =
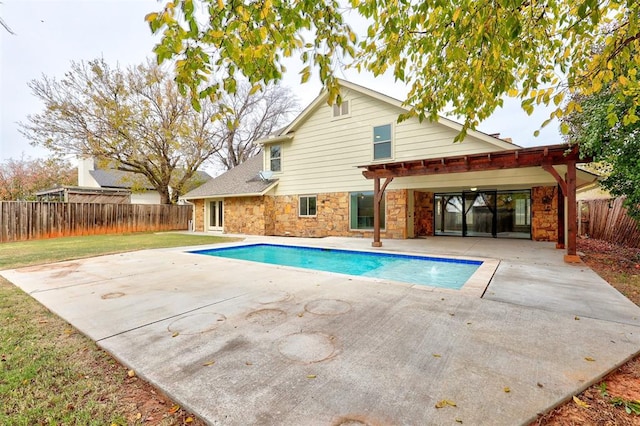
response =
{"points": [[432, 271]]}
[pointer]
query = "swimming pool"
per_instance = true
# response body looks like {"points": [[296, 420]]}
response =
{"points": [[422, 270]]}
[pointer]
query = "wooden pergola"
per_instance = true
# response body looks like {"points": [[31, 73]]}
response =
{"points": [[541, 156]]}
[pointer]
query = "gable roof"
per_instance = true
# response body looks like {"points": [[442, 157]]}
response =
{"points": [[242, 180], [112, 178], [322, 99]]}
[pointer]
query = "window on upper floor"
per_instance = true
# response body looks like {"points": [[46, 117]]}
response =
{"points": [[307, 205], [275, 158], [382, 142], [341, 110]]}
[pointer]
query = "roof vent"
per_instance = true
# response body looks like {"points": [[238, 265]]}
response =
{"points": [[265, 175]]}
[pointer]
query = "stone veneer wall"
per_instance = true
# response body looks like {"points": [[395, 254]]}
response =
{"points": [[544, 213], [198, 209], [397, 203], [332, 218], [245, 215], [423, 213], [269, 217]]}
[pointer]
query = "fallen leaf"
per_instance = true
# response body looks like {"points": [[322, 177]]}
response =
{"points": [[506, 389], [208, 363], [576, 318], [436, 355], [588, 358], [131, 373], [444, 403], [175, 334], [580, 403], [188, 420], [311, 376], [174, 409], [138, 416]]}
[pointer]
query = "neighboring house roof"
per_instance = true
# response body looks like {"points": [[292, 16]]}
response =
{"points": [[287, 132], [242, 180], [111, 178]]}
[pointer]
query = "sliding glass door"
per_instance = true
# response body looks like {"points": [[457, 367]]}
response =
{"points": [[483, 214], [448, 214], [480, 210]]}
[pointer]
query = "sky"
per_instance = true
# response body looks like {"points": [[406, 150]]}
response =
{"points": [[49, 34]]}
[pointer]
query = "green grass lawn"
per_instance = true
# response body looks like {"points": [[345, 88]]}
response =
{"points": [[50, 373], [26, 253]]}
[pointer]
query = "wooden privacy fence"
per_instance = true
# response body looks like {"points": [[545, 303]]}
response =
{"points": [[27, 220], [608, 220]]}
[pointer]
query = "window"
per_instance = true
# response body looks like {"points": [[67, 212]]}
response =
{"points": [[307, 205], [382, 142], [362, 210], [341, 110], [275, 156]]}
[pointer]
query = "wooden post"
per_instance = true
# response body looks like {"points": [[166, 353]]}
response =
{"points": [[378, 193], [571, 255], [376, 213], [560, 243]]}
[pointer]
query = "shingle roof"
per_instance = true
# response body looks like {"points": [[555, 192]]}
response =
{"points": [[241, 180], [112, 178]]}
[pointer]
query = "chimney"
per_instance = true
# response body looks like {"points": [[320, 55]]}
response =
{"points": [[86, 165]]}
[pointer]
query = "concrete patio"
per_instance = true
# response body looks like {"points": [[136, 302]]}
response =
{"points": [[247, 343]]}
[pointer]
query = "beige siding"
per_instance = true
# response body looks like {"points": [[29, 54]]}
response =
{"points": [[146, 197], [325, 152]]}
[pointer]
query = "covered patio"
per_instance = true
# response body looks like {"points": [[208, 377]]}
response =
{"points": [[546, 157]]}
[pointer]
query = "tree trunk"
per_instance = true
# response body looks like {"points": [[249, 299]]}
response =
{"points": [[164, 195]]}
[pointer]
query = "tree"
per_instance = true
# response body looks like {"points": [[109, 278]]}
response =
{"points": [[6, 26], [615, 147], [133, 119], [463, 56], [20, 179], [248, 117]]}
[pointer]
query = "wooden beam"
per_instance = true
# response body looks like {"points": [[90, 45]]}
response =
{"points": [[376, 214], [378, 194], [561, 218], [525, 157], [571, 256], [551, 170]]}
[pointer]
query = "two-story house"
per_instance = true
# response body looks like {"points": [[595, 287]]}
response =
{"points": [[308, 180]]}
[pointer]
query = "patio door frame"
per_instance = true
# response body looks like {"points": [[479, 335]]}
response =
{"points": [[215, 215]]}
